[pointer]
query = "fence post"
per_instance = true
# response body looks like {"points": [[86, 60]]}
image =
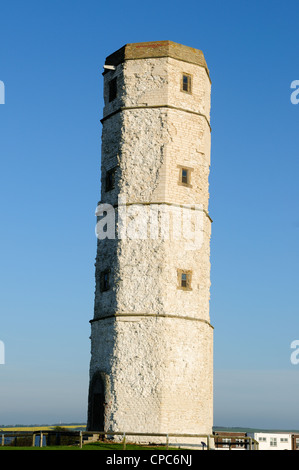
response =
{"points": [[167, 442], [3, 440], [41, 440], [33, 440], [124, 442], [81, 440]]}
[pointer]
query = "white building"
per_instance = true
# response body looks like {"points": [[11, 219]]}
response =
{"points": [[272, 440]]}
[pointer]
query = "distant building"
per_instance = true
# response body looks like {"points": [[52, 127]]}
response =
{"points": [[226, 440], [273, 440]]}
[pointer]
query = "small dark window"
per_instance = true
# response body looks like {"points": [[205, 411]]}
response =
{"points": [[112, 89], [186, 83], [185, 176], [110, 179], [105, 285], [184, 279]]}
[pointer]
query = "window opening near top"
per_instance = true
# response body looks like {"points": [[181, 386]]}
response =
{"points": [[186, 83], [110, 179], [185, 175], [112, 89]]}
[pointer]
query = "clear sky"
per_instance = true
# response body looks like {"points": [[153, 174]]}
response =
{"points": [[51, 62]]}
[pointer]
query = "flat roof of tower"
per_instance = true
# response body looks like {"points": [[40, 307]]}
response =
{"points": [[146, 50]]}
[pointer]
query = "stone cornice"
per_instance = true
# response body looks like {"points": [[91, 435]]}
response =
{"points": [[160, 203], [167, 106], [148, 315], [158, 49]]}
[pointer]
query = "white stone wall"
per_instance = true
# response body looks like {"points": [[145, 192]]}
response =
{"points": [[159, 372]]}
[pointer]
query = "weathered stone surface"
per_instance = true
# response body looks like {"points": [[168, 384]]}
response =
{"points": [[151, 340]]}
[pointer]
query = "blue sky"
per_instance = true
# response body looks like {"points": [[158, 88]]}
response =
{"points": [[51, 62]]}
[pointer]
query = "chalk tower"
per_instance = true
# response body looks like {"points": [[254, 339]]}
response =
{"points": [[151, 367]]}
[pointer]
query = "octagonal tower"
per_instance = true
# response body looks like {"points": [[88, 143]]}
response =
{"points": [[151, 366]]}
